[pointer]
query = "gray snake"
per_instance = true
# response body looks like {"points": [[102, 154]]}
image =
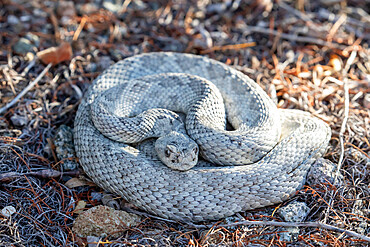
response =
{"points": [[262, 161]]}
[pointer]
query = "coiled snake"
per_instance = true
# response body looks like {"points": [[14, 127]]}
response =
{"points": [[261, 161]]}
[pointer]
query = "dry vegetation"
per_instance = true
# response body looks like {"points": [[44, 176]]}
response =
{"points": [[310, 55]]}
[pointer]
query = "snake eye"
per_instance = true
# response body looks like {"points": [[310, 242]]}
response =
{"points": [[195, 150], [167, 153]]}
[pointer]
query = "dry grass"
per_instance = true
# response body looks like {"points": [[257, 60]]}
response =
{"points": [[310, 55]]}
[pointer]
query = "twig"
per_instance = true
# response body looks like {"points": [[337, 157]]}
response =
{"points": [[323, 13], [80, 27], [133, 211], [229, 47], [343, 128], [298, 13], [335, 27], [346, 110], [47, 173], [294, 37], [292, 224], [344, 123], [29, 66], [24, 91]]}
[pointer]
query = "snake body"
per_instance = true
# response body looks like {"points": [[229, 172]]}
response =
{"points": [[260, 163]]}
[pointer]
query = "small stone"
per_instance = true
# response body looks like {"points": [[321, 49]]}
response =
{"points": [[91, 67], [66, 20], [66, 8], [294, 211], [232, 219], [115, 8], [255, 62], [358, 156], [69, 165], [39, 12], [291, 234], [35, 40], [8, 211], [88, 8], [92, 241], [362, 227], [96, 196], [23, 46], [25, 18], [367, 100], [64, 147], [19, 120], [108, 200], [103, 221], [323, 171], [104, 62], [13, 20]]}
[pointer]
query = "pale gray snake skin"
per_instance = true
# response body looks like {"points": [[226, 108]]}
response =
{"points": [[264, 161]]}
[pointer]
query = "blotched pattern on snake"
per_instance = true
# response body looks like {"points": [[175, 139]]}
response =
{"points": [[261, 161]]}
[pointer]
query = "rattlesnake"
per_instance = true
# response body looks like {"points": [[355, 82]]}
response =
{"points": [[260, 163]]}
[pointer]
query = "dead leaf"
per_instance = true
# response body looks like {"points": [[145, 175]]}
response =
{"points": [[56, 55], [76, 182], [80, 207]]}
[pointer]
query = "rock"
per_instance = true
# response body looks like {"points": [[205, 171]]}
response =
{"points": [[367, 100], [233, 219], [8, 211], [293, 212], [19, 120], [108, 200], [103, 221], [13, 20], [91, 67], [97, 196], [64, 147], [104, 62], [26, 44], [87, 8], [66, 11], [291, 234], [25, 18], [362, 227], [92, 241], [35, 40], [115, 8], [23, 46], [360, 224], [66, 8], [358, 156], [15, 24], [323, 171]]}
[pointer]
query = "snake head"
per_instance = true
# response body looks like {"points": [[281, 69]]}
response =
{"points": [[177, 151]]}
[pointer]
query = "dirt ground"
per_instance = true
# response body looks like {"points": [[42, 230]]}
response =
{"points": [[308, 55]]}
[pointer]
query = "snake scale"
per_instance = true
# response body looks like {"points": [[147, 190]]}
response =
{"points": [[261, 161]]}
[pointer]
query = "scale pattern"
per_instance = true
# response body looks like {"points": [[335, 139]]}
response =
{"points": [[293, 138]]}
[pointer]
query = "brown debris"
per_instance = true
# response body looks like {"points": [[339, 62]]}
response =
{"points": [[56, 55]]}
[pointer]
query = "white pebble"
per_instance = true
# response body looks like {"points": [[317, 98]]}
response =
{"points": [[8, 211]]}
